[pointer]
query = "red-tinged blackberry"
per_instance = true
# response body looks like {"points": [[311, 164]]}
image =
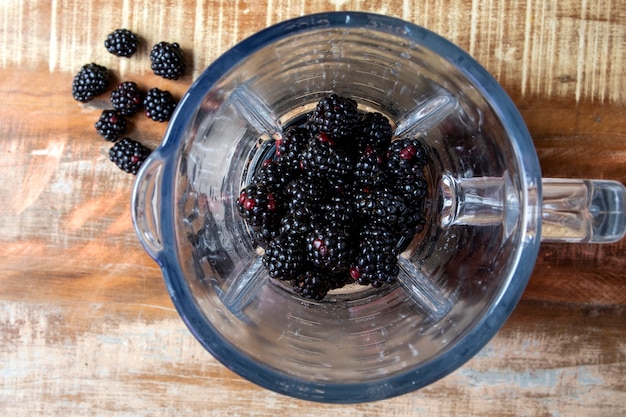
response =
{"points": [[406, 159], [128, 155], [373, 131], [312, 285], [334, 115], [284, 258], [159, 104], [111, 125], [258, 206], [375, 265], [127, 98], [323, 160], [329, 247], [289, 147], [167, 60], [91, 81], [370, 169], [121, 42]]}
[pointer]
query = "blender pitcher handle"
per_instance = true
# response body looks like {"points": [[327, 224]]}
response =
{"points": [[572, 210], [584, 211], [146, 193]]}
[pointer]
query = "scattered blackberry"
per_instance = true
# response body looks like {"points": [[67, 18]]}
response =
{"points": [[329, 247], [167, 60], [121, 42], [111, 125], [335, 116], [323, 160], [289, 147], [128, 155], [370, 169], [406, 159], [258, 206], [284, 258], [159, 104], [313, 285], [373, 131], [127, 98], [91, 81]]}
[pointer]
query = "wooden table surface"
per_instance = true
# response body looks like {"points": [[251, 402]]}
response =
{"points": [[86, 325]]}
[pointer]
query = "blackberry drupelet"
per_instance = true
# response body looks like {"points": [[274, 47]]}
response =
{"points": [[127, 98], [159, 104], [323, 160], [373, 131], [284, 257], [91, 81], [329, 247], [406, 159], [111, 125], [335, 116], [167, 60], [121, 42], [313, 285], [128, 155]]}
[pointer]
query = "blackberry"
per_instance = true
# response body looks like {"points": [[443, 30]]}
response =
{"points": [[338, 209], [302, 192], [406, 159], [335, 116], [297, 222], [370, 169], [289, 147], [121, 42], [375, 265], [384, 207], [127, 98], [159, 104], [258, 206], [312, 285], [111, 125], [91, 81], [373, 131], [329, 247], [323, 160], [167, 60], [284, 258], [273, 176], [128, 155]]}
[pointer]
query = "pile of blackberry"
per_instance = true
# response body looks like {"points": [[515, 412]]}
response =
{"points": [[127, 98], [333, 203]]}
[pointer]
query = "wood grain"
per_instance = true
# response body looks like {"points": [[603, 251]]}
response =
{"points": [[86, 325]]}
